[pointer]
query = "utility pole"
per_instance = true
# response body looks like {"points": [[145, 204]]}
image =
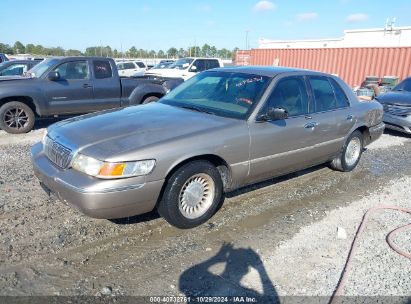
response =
{"points": [[246, 39]]}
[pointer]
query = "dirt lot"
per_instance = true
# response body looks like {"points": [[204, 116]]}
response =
{"points": [[275, 238]]}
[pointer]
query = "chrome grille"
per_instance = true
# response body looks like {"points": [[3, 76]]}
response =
{"points": [[397, 110], [57, 153]]}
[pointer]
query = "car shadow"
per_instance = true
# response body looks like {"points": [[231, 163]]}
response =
{"points": [[146, 217], [221, 276], [397, 133], [47, 121], [273, 181]]}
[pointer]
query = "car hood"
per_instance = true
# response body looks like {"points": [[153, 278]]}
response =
{"points": [[108, 134], [399, 98]]}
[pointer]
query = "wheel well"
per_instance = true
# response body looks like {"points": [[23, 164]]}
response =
{"points": [[217, 161], [24, 99], [366, 134], [158, 95]]}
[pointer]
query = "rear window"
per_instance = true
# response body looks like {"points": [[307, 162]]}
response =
{"points": [[141, 65], [102, 69]]}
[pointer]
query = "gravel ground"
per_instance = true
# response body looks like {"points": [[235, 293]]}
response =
{"points": [[275, 238]]}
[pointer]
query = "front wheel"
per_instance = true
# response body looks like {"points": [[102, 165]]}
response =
{"points": [[191, 195], [16, 117], [351, 153]]}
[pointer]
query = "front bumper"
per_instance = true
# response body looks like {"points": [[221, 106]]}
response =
{"points": [[107, 199], [398, 123]]}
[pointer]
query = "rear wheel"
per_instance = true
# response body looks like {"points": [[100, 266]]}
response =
{"points": [[16, 117], [191, 195], [351, 153], [150, 99]]}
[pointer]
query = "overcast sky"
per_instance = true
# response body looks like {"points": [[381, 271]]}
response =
{"points": [[160, 24]]}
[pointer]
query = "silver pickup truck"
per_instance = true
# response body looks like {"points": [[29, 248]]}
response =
{"points": [[218, 131]]}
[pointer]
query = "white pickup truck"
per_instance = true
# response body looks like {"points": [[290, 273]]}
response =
{"points": [[186, 67]]}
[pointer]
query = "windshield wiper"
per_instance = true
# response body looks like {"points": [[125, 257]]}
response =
{"points": [[198, 109]]}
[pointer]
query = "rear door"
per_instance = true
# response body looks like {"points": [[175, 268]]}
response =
{"points": [[73, 92], [331, 116], [284, 145], [106, 86]]}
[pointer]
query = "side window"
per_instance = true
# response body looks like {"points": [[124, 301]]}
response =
{"points": [[120, 66], [342, 99], [129, 66], [73, 70], [141, 64], [15, 69], [323, 94], [290, 94], [405, 85], [212, 64], [102, 69], [200, 65]]}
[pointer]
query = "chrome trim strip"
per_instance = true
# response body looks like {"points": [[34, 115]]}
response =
{"points": [[104, 190], [257, 160]]}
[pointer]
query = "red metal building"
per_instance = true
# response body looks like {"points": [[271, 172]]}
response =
{"points": [[351, 64]]}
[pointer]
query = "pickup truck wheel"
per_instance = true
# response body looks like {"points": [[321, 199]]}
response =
{"points": [[351, 153], [150, 99], [191, 195], [16, 117]]}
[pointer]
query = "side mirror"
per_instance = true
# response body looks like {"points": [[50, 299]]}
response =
{"points": [[53, 76], [193, 69], [273, 114]]}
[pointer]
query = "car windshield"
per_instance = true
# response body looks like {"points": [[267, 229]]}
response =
{"points": [[164, 65], [181, 64], [224, 94], [42, 67]]}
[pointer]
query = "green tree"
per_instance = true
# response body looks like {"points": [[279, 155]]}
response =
{"points": [[7, 49], [19, 48], [182, 53], [172, 52], [30, 48], [161, 54], [72, 52], [205, 50]]}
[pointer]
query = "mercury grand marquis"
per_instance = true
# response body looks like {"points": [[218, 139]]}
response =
{"points": [[221, 130]]}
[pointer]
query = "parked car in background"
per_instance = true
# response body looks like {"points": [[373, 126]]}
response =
{"points": [[131, 68], [218, 131], [163, 64], [3, 58], [187, 67], [16, 67], [72, 85], [397, 107]]}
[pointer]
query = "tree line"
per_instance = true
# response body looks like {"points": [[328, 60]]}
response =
{"points": [[106, 51]]}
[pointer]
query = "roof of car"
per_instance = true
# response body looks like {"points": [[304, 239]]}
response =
{"points": [[268, 71], [10, 62]]}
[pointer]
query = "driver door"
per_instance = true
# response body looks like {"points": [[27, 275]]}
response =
{"points": [[282, 146], [73, 92]]}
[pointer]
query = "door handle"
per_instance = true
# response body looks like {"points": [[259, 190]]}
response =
{"points": [[86, 86], [310, 125], [349, 117]]}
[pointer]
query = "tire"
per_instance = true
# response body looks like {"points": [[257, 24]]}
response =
{"points": [[150, 99], [22, 123], [191, 195], [351, 153]]}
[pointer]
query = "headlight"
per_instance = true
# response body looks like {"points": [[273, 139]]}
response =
{"points": [[100, 169]]}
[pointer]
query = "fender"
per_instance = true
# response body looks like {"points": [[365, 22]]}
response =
{"points": [[153, 88], [24, 88]]}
